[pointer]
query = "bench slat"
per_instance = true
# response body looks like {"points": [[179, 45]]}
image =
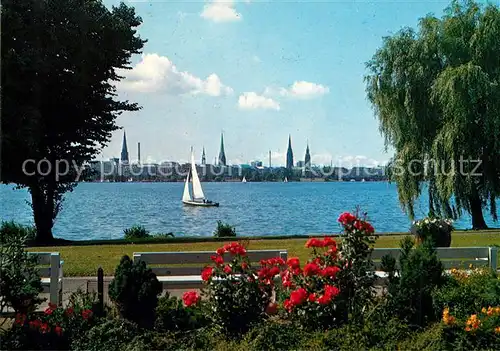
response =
{"points": [[177, 271], [43, 257], [202, 257], [442, 252]]}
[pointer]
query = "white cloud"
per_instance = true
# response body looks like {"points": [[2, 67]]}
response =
{"points": [[300, 89], [251, 100], [155, 73], [220, 11]]}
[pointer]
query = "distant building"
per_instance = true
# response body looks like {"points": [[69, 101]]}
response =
{"points": [[222, 154], [124, 156], [203, 158], [256, 164], [307, 159], [289, 154], [300, 164]]}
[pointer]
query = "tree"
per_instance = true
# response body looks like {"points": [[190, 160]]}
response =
{"points": [[435, 92], [60, 59]]}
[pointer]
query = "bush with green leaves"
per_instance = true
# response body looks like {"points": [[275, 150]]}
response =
{"points": [[12, 229], [135, 290], [110, 335], [410, 287], [20, 282], [172, 315], [136, 232], [55, 329], [465, 293], [224, 230]]}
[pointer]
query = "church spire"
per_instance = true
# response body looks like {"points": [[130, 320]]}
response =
{"points": [[222, 154], [124, 155], [307, 160], [203, 159], [289, 154]]}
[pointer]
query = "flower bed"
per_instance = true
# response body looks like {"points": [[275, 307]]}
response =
{"points": [[324, 302]]}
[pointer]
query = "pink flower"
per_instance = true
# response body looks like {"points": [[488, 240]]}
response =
{"points": [[190, 298]]}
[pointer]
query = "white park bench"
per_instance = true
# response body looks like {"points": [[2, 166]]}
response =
{"points": [[452, 257], [50, 269], [182, 270]]}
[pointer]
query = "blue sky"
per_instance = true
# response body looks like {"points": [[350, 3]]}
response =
{"points": [[258, 71]]}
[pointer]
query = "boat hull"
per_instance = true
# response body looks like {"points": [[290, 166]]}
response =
{"points": [[201, 204]]}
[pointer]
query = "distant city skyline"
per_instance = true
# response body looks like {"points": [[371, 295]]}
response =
{"points": [[258, 71]]}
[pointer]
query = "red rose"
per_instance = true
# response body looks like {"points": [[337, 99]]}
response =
{"points": [[314, 243], [190, 298], [346, 218], [330, 271], [312, 297], [325, 299], [331, 291], [48, 311], [273, 271], [20, 319], [220, 251], [272, 309], [86, 314], [227, 269], [369, 228], [44, 328], [298, 296], [206, 273], [293, 262], [311, 269], [286, 279], [52, 306], [58, 330], [287, 304], [244, 265], [327, 241], [69, 311], [217, 259]]}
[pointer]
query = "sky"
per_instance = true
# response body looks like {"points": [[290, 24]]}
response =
{"points": [[258, 71]]}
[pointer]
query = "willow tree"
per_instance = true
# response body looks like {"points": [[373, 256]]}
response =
{"points": [[435, 91]]}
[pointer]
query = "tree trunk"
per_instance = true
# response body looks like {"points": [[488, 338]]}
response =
{"points": [[476, 211], [43, 213]]}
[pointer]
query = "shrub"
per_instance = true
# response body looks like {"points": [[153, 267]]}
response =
{"points": [[273, 335], [466, 293], [172, 315], [57, 328], [357, 277], [136, 232], [111, 335], [410, 290], [478, 331], [237, 295], [134, 290], [312, 292], [14, 230], [430, 339], [438, 230], [20, 282], [224, 230]]}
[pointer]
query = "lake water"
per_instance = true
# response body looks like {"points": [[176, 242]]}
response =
{"points": [[104, 210]]}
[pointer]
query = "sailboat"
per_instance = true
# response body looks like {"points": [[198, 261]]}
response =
{"points": [[244, 180], [286, 180], [198, 198]]}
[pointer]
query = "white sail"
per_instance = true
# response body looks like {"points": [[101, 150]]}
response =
{"points": [[244, 179], [197, 190], [187, 195], [286, 180]]}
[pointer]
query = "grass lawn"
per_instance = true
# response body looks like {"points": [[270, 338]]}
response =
{"points": [[80, 261]]}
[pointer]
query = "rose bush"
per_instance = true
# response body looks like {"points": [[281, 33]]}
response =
{"points": [[237, 294], [312, 291], [357, 278], [55, 329]]}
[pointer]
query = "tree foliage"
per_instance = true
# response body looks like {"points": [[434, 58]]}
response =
{"points": [[435, 93], [60, 59]]}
